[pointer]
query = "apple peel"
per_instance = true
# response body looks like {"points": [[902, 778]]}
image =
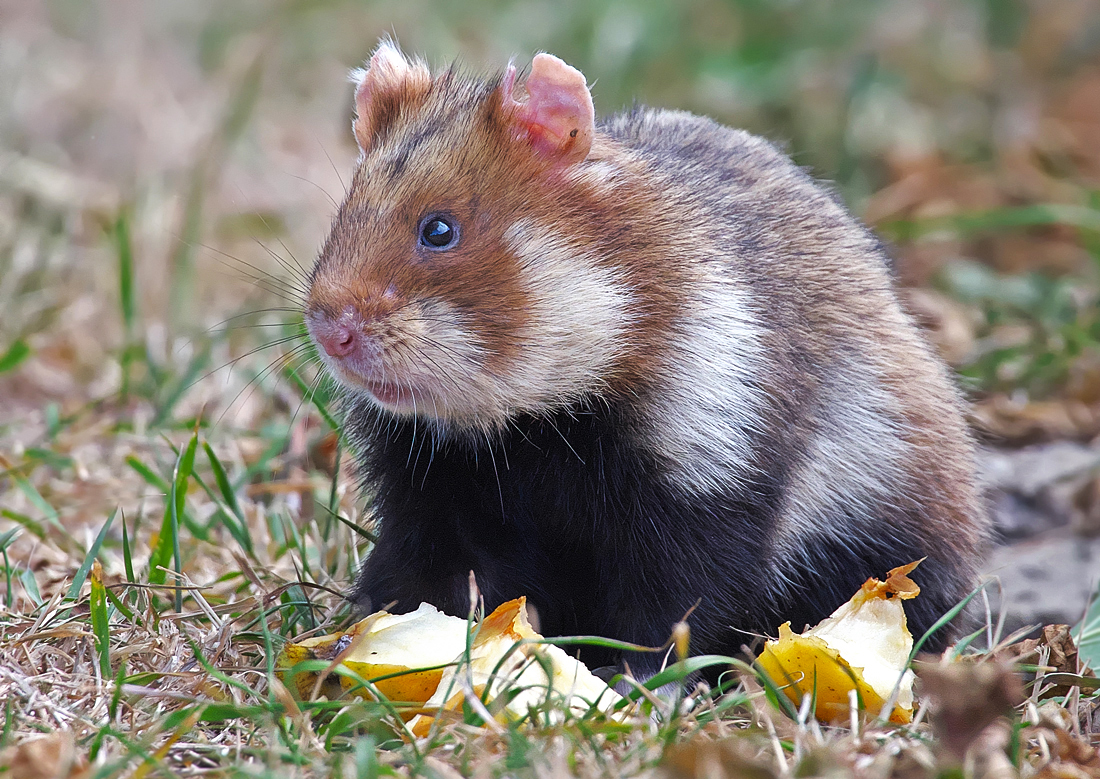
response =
{"points": [[864, 646]]}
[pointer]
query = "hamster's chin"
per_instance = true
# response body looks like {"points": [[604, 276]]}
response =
{"points": [[391, 397]]}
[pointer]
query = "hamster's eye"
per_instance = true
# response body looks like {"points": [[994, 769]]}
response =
{"points": [[437, 232]]}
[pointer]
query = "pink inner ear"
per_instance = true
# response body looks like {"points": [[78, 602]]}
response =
{"points": [[558, 116]]}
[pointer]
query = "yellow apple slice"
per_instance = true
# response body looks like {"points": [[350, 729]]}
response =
{"points": [[864, 645], [516, 679], [384, 644]]}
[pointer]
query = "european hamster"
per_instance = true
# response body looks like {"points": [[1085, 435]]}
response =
{"points": [[626, 367]]}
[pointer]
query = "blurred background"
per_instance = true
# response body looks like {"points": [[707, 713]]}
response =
{"points": [[166, 167]]}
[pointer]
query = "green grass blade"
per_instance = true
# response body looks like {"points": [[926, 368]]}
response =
{"points": [[222, 480], [126, 298], [153, 478], [198, 365], [35, 497], [9, 722], [333, 493], [127, 557], [1037, 215], [30, 585], [82, 572], [112, 712], [7, 538], [161, 555], [366, 759], [125, 272], [185, 466], [944, 620], [15, 354], [228, 681], [29, 524], [123, 609], [238, 524], [308, 393], [100, 627], [167, 547], [9, 593], [224, 515], [362, 532], [237, 113], [1087, 634], [6, 541]]}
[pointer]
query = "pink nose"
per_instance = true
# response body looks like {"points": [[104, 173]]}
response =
{"points": [[336, 338]]}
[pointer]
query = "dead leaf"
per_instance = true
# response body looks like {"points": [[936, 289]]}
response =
{"points": [[50, 757], [966, 699], [1070, 758], [947, 323], [1030, 422], [735, 757]]}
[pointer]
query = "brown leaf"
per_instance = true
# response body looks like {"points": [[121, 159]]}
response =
{"points": [[50, 757], [966, 699], [1024, 423], [1063, 652], [733, 757], [1063, 657], [1071, 757], [946, 322]]}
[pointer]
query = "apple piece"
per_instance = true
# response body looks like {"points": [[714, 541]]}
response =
{"points": [[864, 645], [384, 644], [521, 682]]}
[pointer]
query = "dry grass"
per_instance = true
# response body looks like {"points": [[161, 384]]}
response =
{"points": [[163, 166]]}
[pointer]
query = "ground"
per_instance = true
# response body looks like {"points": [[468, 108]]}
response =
{"points": [[167, 172]]}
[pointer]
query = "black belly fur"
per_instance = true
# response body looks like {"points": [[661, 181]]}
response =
{"points": [[569, 512]]}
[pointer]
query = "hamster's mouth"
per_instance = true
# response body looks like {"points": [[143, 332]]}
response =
{"points": [[392, 395], [397, 398]]}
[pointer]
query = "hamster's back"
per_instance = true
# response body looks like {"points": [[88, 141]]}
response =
{"points": [[852, 411]]}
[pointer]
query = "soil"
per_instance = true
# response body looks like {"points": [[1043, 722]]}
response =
{"points": [[1045, 502]]}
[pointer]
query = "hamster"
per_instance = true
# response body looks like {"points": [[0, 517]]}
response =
{"points": [[626, 368]]}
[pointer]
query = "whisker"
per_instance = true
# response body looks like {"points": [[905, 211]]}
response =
{"points": [[297, 272], [249, 353], [318, 186], [307, 396], [229, 328], [254, 383], [333, 164], [284, 286]]}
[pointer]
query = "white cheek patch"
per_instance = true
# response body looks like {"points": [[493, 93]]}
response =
{"points": [[578, 320], [430, 347], [705, 411]]}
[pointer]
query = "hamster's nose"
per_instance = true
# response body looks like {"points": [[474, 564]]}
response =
{"points": [[338, 338]]}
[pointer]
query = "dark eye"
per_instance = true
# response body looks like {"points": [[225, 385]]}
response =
{"points": [[437, 232]]}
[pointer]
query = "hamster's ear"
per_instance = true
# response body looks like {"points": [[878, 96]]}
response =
{"points": [[382, 88], [557, 118]]}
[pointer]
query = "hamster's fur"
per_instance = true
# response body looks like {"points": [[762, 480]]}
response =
{"points": [[658, 367]]}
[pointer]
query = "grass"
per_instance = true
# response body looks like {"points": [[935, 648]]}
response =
{"points": [[175, 500]]}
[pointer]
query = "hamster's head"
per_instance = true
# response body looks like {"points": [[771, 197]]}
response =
{"points": [[462, 280]]}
